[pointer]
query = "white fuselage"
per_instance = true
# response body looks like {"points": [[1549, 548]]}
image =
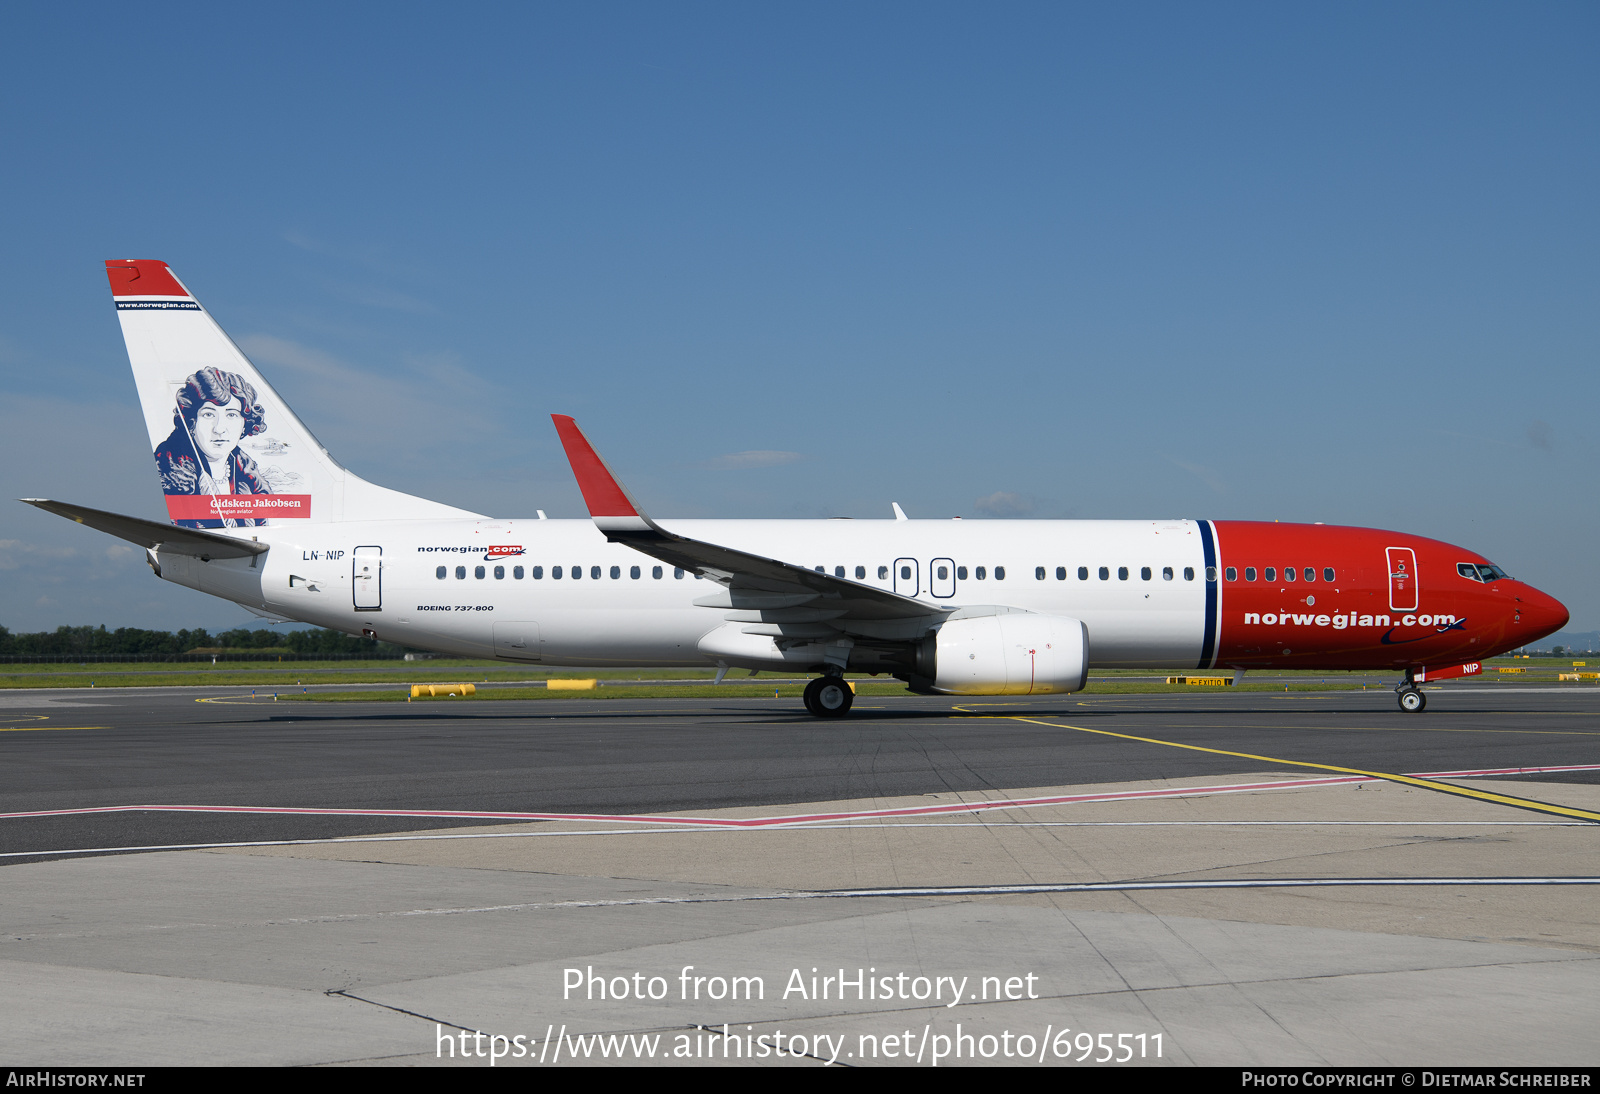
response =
{"points": [[314, 574]]}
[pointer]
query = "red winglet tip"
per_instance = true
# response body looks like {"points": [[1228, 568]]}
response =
{"points": [[602, 493], [142, 277]]}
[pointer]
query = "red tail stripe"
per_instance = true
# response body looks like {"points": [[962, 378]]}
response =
{"points": [[142, 277]]}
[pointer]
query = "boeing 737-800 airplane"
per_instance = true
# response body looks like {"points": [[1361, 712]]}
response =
{"points": [[263, 516]]}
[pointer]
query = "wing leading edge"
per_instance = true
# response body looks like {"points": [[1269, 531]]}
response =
{"points": [[776, 598]]}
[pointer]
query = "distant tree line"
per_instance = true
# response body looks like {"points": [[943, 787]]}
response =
{"points": [[134, 644]]}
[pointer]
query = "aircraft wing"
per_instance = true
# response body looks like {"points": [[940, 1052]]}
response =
{"points": [[150, 534], [767, 590]]}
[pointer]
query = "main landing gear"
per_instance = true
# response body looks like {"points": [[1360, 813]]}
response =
{"points": [[829, 697], [1412, 701]]}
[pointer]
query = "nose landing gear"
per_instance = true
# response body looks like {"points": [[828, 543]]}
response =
{"points": [[1412, 701], [828, 697]]}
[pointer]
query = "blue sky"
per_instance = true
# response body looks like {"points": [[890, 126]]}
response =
{"points": [[1244, 261]]}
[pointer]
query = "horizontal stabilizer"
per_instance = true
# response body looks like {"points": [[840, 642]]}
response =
{"points": [[151, 534]]}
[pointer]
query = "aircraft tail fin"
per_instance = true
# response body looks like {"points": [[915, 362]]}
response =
{"points": [[229, 451]]}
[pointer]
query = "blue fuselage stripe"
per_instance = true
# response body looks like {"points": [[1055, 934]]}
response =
{"points": [[1208, 645]]}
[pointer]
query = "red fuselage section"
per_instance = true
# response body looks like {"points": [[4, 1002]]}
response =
{"points": [[1314, 596]]}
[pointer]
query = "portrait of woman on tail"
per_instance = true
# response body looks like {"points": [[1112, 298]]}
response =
{"points": [[215, 411]]}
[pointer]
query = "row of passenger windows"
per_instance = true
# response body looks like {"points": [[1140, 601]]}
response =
{"points": [[1270, 573], [1104, 573], [981, 573], [537, 573], [942, 573]]}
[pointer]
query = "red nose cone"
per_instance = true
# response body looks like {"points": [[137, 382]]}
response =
{"points": [[1541, 614]]}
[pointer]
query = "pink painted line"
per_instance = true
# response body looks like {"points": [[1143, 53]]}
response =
{"points": [[792, 818], [718, 822]]}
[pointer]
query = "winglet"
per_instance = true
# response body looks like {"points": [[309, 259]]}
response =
{"points": [[608, 500]]}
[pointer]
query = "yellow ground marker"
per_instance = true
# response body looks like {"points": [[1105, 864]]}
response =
{"points": [[433, 691], [1407, 780], [571, 685]]}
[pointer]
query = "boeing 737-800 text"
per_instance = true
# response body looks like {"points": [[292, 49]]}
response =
{"points": [[263, 516]]}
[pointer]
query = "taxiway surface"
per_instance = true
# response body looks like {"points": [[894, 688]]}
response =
{"points": [[1214, 869]]}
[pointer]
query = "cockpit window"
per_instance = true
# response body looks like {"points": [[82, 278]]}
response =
{"points": [[1468, 570]]}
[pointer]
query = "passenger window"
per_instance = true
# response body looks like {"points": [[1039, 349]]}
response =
{"points": [[439, 573], [1061, 573], [1311, 574], [516, 573], [861, 573], [1249, 573], [555, 573], [999, 573], [499, 573], [1144, 573], [633, 572], [677, 573], [1038, 573], [905, 573], [1122, 573], [944, 573], [461, 573], [1328, 574], [655, 572], [1272, 573], [1288, 573], [820, 569], [616, 573], [477, 572], [577, 572], [1211, 573], [980, 573], [1083, 573], [1188, 573], [883, 573], [1232, 574], [1166, 573], [961, 573], [594, 572], [838, 571], [1105, 574], [538, 573]]}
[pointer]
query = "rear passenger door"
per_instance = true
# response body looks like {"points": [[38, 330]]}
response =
{"points": [[366, 579]]}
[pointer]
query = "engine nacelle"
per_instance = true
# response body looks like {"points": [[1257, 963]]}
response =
{"points": [[1018, 653]]}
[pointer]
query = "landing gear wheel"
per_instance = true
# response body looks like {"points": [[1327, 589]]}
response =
{"points": [[829, 697], [1412, 701]]}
